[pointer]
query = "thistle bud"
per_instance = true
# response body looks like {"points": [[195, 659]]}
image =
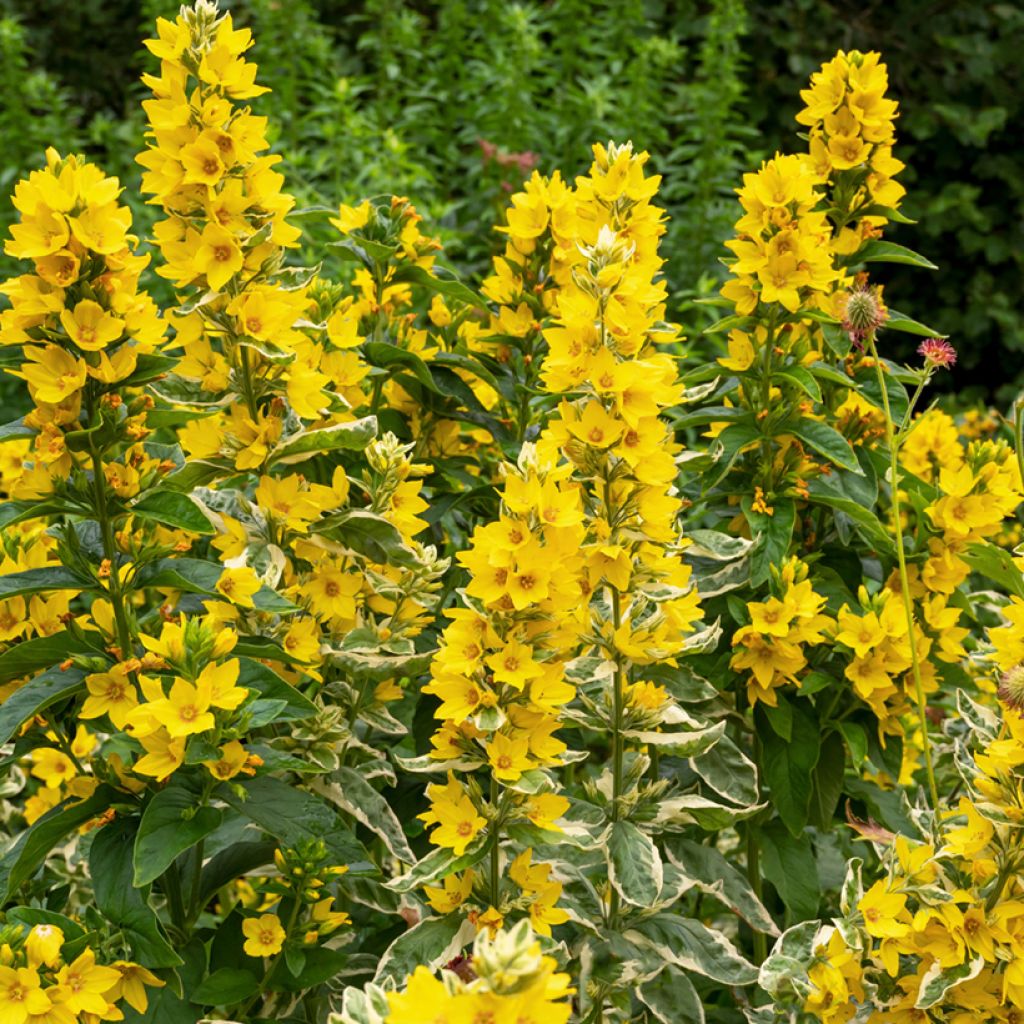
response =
{"points": [[1011, 689], [864, 313]]}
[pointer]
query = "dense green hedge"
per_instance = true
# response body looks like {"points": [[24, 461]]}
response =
{"points": [[383, 95]]}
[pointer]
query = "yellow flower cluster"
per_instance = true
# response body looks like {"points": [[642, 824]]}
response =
{"points": [[851, 130], [81, 319], [39, 986], [770, 648], [944, 929], [782, 248], [506, 979]]}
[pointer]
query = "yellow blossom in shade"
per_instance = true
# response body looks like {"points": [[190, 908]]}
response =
{"points": [[21, 996], [264, 935], [42, 946], [509, 757], [164, 754], [239, 585], [231, 762], [971, 839], [544, 809], [885, 914], [132, 984], [84, 983], [111, 694], [454, 817], [52, 766], [454, 892]]}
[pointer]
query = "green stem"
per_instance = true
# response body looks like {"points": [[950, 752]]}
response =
{"points": [[1018, 433], [247, 386], [124, 636], [901, 555], [495, 864]]}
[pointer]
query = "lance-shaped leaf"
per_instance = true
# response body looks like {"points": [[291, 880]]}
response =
{"points": [[789, 766], [31, 847], [271, 687], [175, 509], [714, 875], [634, 864], [679, 743], [878, 251], [728, 771], [695, 947], [388, 356], [438, 864], [938, 980], [355, 434], [124, 906], [441, 280], [172, 822], [36, 696], [672, 998], [827, 441], [195, 576], [293, 815], [694, 809], [351, 792], [42, 580], [433, 941], [368, 534]]}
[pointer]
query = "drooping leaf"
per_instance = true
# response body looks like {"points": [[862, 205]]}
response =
{"points": [[350, 791], [356, 434], [124, 906], [433, 941], [695, 947], [789, 766], [672, 998], [36, 696], [175, 509]]}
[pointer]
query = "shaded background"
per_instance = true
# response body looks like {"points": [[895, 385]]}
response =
{"points": [[409, 97]]}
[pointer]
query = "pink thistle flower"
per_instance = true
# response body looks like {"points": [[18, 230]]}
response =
{"points": [[937, 352]]}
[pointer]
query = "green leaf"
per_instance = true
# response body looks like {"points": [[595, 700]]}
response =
{"points": [[727, 323], [866, 522], [826, 441], [857, 741], [357, 434], [828, 782], [448, 286], [124, 906], [174, 509], [270, 686], [41, 580], [14, 512], [15, 431], [350, 791], [773, 534], [728, 771], [716, 877], [195, 576], [801, 378], [902, 322], [149, 366], [634, 864], [225, 987], [172, 823], [694, 947], [368, 534], [232, 863], [995, 564], [36, 696], [386, 355], [31, 916], [672, 998], [878, 251], [433, 941], [790, 865], [27, 656], [788, 766], [292, 815]]}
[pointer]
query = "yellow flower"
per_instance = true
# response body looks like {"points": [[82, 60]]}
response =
{"points": [[218, 256], [43, 945], [53, 374], [508, 757], [52, 766], [131, 987], [232, 761], [885, 914], [90, 326], [21, 997], [454, 893], [239, 585], [84, 982], [264, 935], [454, 815], [110, 694], [164, 755]]}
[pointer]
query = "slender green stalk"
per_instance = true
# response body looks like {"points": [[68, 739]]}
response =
{"points": [[495, 864], [901, 555], [124, 636]]}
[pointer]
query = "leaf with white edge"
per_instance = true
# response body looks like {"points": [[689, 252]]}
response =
{"points": [[438, 864], [938, 981], [634, 864], [714, 875], [672, 998], [368, 534], [715, 545], [356, 434], [351, 792], [679, 744], [695, 947], [729, 772], [433, 941], [693, 809], [853, 886]]}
